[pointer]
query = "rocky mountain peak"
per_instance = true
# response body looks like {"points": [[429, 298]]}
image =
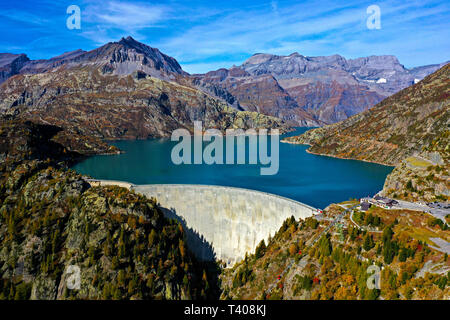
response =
{"points": [[128, 55], [42, 65], [396, 128], [8, 58], [69, 54], [128, 39], [327, 88], [130, 43], [258, 58], [384, 62]]}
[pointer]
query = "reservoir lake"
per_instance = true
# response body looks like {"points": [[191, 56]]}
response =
{"points": [[312, 179]]}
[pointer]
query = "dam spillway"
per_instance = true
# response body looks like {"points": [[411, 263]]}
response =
{"points": [[223, 222]]}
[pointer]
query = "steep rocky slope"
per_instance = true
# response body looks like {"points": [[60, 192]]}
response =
{"points": [[127, 56], [305, 91], [11, 64], [24, 140], [122, 90], [43, 65], [423, 177], [121, 242], [254, 93], [122, 57]]}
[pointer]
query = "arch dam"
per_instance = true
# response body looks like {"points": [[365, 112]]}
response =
{"points": [[221, 223]]}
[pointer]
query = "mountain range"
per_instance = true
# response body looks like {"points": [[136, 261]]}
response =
{"points": [[300, 90], [122, 90]]}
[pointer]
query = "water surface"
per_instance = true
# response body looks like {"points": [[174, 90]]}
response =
{"points": [[311, 179]]}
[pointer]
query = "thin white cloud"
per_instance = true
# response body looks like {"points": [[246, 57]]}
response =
{"points": [[126, 16], [99, 35], [23, 16], [247, 32]]}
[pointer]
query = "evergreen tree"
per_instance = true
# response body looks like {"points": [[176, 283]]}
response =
{"points": [[368, 242], [260, 249]]}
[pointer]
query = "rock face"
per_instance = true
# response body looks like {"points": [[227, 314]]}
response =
{"points": [[122, 90], [123, 57], [11, 64], [422, 177], [254, 93], [119, 242], [312, 90], [412, 123], [394, 129], [88, 102], [127, 56], [39, 66]]}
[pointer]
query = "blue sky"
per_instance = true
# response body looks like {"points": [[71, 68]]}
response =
{"points": [[207, 35]]}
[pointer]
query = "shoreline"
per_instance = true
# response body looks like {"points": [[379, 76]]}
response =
{"points": [[335, 156]]}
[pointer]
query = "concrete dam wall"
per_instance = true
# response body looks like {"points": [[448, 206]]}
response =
{"points": [[222, 222]]}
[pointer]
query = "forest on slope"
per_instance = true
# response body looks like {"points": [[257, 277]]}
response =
{"points": [[52, 219]]}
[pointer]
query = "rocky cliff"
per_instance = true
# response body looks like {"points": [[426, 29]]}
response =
{"points": [[24, 140], [254, 93], [120, 242], [11, 64], [302, 91], [122, 57], [424, 176]]}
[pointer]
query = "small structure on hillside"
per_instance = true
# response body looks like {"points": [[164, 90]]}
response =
{"points": [[365, 206], [377, 201], [384, 202]]}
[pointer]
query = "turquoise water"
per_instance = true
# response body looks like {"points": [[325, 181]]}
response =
{"points": [[311, 179]]}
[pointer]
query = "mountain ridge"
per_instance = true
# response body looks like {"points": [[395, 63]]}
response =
{"points": [[313, 91], [86, 101], [301, 90]]}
